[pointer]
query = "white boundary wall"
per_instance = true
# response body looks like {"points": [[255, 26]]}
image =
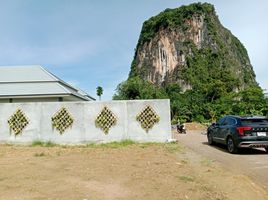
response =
{"points": [[83, 129]]}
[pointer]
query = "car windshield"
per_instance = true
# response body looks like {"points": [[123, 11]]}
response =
{"points": [[254, 121]]}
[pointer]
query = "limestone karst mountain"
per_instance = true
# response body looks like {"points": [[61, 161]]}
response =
{"points": [[189, 46], [186, 55]]}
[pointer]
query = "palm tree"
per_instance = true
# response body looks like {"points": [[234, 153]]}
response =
{"points": [[99, 91]]}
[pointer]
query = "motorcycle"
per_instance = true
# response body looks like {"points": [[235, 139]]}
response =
{"points": [[181, 128]]}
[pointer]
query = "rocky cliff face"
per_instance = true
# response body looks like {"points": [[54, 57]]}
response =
{"points": [[189, 46]]}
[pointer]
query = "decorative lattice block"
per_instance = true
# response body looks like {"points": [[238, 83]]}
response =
{"points": [[147, 118], [18, 121], [62, 120], [105, 120]]}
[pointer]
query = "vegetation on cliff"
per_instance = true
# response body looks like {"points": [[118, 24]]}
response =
{"points": [[201, 105], [173, 19]]}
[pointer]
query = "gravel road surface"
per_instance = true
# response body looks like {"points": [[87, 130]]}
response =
{"points": [[251, 162]]}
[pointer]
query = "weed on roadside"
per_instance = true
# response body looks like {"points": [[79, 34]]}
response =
{"points": [[39, 154], [148, 144], [2, 179], [207, 162], [186, 178], [184, 162], [174, 147]]}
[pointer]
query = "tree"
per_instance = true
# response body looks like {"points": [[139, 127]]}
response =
{"points": [[99, 91], [251, 101], [205, 102], [136, 88]]}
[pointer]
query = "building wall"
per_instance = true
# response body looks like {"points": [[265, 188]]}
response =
{"points": [[4, 100], [25, 100], [83, 128]]}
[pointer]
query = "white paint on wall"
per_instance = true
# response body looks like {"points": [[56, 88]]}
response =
{"points": [[83, 129]]}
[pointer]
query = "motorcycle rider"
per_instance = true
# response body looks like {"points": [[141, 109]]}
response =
{"points": [[180, 127]]}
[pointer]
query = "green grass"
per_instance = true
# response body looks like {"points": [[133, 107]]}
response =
{"points": [[172, 147], [123, 143], [43, 144]]}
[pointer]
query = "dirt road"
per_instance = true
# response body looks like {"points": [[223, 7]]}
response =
{"points": [[251, 162]]}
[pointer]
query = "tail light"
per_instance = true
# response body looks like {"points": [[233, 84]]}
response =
{"points": [[241, 130]]}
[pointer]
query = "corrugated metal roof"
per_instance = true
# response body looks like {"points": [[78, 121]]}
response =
{"points": [[34, 80]]}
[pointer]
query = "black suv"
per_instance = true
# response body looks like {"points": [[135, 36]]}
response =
{"points": [[240, 132]]}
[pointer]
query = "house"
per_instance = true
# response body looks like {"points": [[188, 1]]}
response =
{"points": [[35, 84]]}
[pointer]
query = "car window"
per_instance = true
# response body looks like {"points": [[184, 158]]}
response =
{"points": [[221, 121], [230, 121], [254, 121]]}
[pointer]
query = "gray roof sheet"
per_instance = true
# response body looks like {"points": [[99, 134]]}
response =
{"points": [[34, 80], [25, 74], [14, 89]]}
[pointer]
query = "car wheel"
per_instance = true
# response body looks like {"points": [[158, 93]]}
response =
{"points": [[232, 148], [210, 139]]}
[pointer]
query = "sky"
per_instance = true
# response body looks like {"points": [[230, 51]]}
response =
{"points": [[90, 43]]}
